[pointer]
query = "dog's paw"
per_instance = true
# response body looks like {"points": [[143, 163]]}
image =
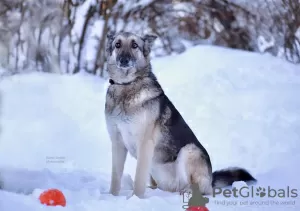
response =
{"points": [[152, 187], [139, 195], [114, 192], [130, 195]]}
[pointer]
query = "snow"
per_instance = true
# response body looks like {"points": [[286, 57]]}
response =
{"points": [[243, 107]]}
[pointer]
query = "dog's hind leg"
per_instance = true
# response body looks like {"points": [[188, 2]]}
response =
{"points": [[153, 184], [198, 170], [119, 154], [204, 183]]}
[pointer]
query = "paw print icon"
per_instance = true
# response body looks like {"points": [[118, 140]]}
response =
{"points": [[261, 192]]}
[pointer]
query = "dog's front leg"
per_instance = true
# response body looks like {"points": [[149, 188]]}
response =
{"points": [[144, 160], [119, 153]]}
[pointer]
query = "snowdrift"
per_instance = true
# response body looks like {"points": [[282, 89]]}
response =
{"points": [[243, 107]]}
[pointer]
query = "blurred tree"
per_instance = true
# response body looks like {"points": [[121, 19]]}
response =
{"points": [[69, 36]]}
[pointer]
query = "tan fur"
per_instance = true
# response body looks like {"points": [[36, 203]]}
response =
{"points": [[196, 169], [119, 153], [153, 184], [189, 169]]}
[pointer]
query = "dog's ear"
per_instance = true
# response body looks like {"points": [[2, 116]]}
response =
{"points": [[149, 41], [109, 40]]}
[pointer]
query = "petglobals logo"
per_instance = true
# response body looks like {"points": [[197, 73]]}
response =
{"points": [[254, 192]]}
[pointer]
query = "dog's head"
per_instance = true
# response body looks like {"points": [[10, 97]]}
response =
{"points": [[128, 55]]}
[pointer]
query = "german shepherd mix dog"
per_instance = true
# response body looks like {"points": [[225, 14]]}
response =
{"points": [[143, 121]]}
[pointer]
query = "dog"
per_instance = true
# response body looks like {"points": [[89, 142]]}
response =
{"points": [[142, 120]]}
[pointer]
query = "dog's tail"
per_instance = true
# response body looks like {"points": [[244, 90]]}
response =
{"points": [[226, 177]]}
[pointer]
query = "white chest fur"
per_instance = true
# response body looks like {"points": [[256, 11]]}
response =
{"points": [[131, 132], [131, 127]]}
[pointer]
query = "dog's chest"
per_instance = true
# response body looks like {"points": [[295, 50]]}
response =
{"points": [[130, 132], [129, 116]]}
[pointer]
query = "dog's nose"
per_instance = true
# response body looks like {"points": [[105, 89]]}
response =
{"points": [[124, 61]]}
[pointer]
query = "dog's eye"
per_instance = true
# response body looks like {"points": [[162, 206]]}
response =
{"points": [[118, 45], [134, 45]]}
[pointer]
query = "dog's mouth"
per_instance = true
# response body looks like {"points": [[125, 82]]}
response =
{"points": [[126, 66]]}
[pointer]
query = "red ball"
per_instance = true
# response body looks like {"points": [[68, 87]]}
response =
{"points": [[197, 209], [53, 197]]}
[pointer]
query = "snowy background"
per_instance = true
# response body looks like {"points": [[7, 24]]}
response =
{"points": [[244, 107]]}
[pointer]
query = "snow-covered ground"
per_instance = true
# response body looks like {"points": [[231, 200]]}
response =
{"points": [[244, 107]]}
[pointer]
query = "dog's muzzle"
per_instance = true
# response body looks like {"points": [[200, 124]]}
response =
{"points": [[125, 61]]}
